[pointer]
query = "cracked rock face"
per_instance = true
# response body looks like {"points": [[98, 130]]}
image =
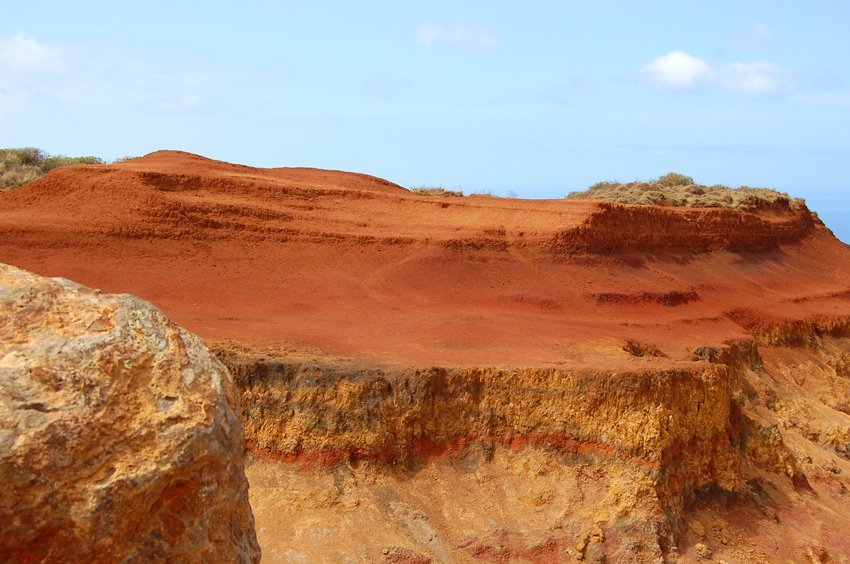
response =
{"points": [[120, 436]]}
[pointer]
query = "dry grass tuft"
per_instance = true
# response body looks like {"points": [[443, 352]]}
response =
{"points": [[436, 191], [19, 166], [675, 189]]}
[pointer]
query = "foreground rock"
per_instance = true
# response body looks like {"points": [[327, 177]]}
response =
{"points": [[120, 438]]}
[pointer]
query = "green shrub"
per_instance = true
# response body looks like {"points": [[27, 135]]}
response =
{"points": [[435, 191], [675, 179], [604, 184], [123, 159], [675, 189], [653, 198], [19, 166], [29, 156]]}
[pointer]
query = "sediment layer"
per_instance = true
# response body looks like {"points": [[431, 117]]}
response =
{"points": [[303, 410], [741, 433], [166, 196]]}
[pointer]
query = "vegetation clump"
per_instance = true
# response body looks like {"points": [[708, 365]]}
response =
{"points": [[436, 191], [675, 179], [674, 189], [19, 166]]}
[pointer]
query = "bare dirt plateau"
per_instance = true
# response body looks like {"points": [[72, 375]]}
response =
{"points": [[485, 378]]}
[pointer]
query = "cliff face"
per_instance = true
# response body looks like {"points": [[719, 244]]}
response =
{"points": [[619, 228], [659, 434], [643, 415], [462, 379], [673, 457], [121, 435]]}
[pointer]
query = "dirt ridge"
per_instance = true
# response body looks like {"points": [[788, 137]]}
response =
{"points": [[176, 195]]}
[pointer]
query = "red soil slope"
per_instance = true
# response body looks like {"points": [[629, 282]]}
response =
{"points": [[353, 265]]}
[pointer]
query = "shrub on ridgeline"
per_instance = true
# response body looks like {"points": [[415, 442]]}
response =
{"points": [[124, 159], [605, 184], [436, 191], [484, 194], [674, 189], [19, 166], [675, 179]]}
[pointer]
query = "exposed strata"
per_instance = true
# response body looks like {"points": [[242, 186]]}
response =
{"points": [[121, 434], [669, 451], [157, 197], [486, 378]]}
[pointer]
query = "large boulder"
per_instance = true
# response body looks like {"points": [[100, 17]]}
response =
{"points": [[120, 434]]}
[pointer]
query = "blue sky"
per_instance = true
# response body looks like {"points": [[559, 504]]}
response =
{"points": [[534, 98]]}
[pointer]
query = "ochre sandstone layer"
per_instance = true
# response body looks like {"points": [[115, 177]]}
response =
{"points": [[121, 434], [629, 464], [488, 379]]}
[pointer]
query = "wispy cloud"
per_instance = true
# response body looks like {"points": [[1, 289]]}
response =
{"points": [[23, 54], [37, 75], [682, 71], [25, 65], [756, 78], [575, 86], [429, 35], [757, 36], [835, 99]]}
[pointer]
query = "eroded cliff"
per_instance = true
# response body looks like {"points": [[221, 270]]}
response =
{"points": [[462, 379], [672, 457]]}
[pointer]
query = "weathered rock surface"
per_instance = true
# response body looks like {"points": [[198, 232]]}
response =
{"points": [[120, 436]]}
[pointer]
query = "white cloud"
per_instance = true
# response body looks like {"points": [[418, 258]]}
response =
{"points": [[21, 53], [429, 35], [677, 70], [681, 71], [756, 78]]}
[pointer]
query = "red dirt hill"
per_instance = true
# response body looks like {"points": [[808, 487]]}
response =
{"points": [[354, 265]]}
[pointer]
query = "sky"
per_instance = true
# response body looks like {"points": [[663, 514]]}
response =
{"points": [[510, 97]]}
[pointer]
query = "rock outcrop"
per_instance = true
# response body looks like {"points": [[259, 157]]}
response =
{"points": [[637, 464], [120, 434]]}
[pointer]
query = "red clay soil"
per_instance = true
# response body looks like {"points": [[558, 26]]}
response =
{"points": [[351, 265]]}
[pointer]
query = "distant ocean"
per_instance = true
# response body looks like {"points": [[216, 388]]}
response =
{"points": [[833, 209], [838, 220]]}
